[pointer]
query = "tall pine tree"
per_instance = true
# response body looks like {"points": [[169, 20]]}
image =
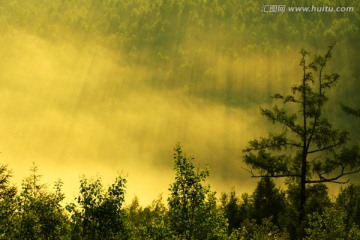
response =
{"points": [[307, 149]]}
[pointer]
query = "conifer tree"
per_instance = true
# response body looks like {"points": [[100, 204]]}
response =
{"points": [[307, 149]]}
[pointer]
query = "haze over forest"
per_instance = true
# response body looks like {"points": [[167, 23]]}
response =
{"points": [[99, 87]]}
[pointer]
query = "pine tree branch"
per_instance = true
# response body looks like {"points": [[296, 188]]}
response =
{"points": [[328, 180], [323, 179], [351, 111], [280, 116], [294, 144], [272, 175], [325, 148], [272, 142], [276, 175]]}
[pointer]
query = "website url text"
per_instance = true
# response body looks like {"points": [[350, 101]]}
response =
{"points": [[324, 8]]}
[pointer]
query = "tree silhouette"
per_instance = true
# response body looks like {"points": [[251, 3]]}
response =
{"points": [[307, 149], [231, 205], [268, 201]]}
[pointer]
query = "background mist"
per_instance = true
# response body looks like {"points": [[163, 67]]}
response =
{"points": [[102, 87]]}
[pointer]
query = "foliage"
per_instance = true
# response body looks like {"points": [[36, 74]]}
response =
{"points": [[150, 222], [330, 225], [264, 231], [268, 201], [317, 200], [308, 149], [192, 207], [348, 201], [39, 214], [230, 204], [7, 199], [98, 213], [162, 34]]}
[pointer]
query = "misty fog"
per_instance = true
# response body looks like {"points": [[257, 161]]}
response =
{"points": [[80, 98]]}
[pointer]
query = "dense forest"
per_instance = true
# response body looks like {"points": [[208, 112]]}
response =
{"points": [[193, 210], [158, 59]]}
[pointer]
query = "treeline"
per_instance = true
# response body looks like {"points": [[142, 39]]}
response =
{"points": [[184, 40], [159, 24], [192, 211]]}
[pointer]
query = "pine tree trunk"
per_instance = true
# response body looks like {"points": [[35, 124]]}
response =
{"points": [[304, 155], [302, 192]]}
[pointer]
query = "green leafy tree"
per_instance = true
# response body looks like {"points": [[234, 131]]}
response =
{"points": [[7, 203], [307, 149], [193, 213], [348, 201], [99, 214], [266, 230], [39, 211], [149, 222], [330, 225]]}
